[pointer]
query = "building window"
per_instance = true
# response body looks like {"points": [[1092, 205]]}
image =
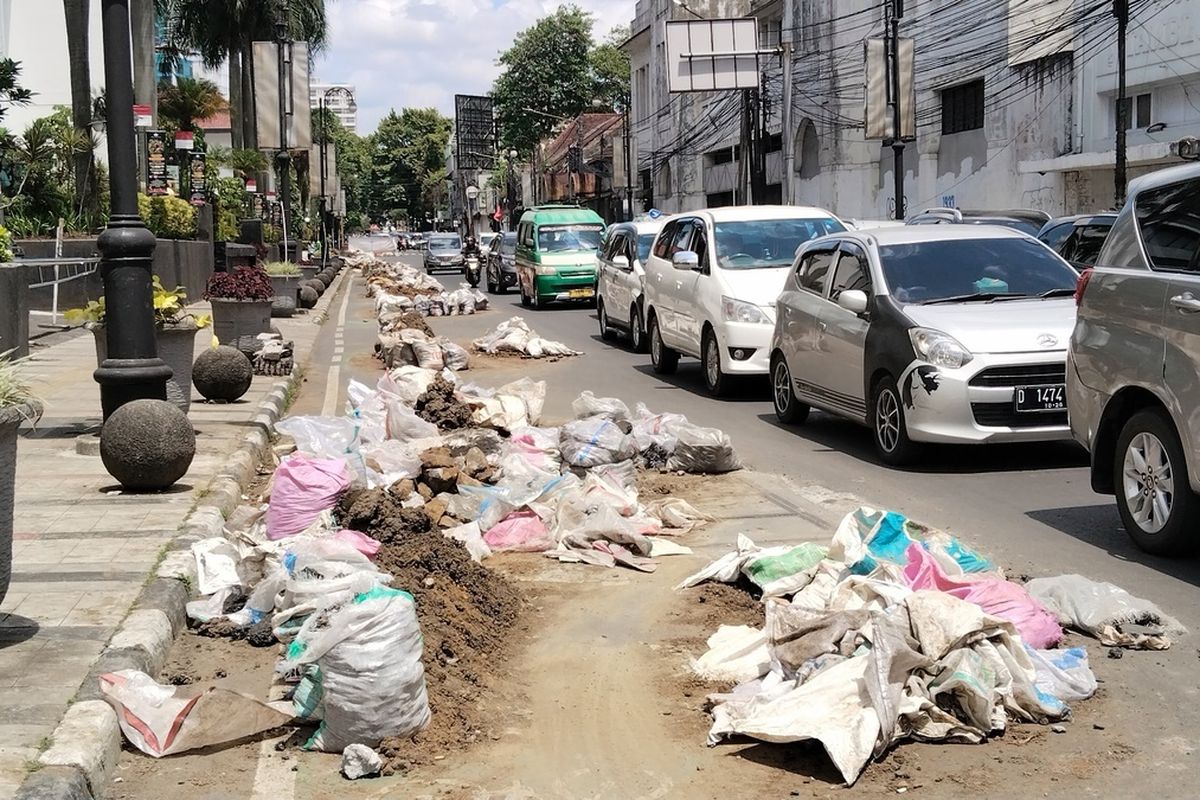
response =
{"points": [[774, 143], [641, 93], [769, 31], [962, 108], [722, 156], [719, 199], [1142, 117], [809, 34]]}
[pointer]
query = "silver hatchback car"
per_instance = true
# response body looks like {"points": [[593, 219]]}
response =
{"points": [[1133, 378], [948, 333]]}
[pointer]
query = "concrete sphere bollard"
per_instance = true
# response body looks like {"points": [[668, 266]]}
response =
{"points": [[147, 445], [222, 373], [317, 286], [308, 297]]}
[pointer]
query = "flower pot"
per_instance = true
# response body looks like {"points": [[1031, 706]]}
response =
{"points": [[11, 418], [308, 273], [236, 318], [177, 349], [287, 294]]}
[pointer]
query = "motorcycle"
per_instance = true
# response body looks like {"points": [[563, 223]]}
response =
{"points": [[472, 270]]}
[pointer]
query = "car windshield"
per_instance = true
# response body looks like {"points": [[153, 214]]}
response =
{"points": [[509, 243], [487, 241], [973, 270], [451, 243], [756, 244], [1024, 226], [1084, 247], [645, 242], [565, 238]]}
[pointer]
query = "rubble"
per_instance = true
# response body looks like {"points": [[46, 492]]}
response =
{"points": [[440, 405], [515, 336], [360, 761]]}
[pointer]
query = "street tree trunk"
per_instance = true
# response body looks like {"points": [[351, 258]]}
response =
{"points": [[249, 132], [145, 85], [237, 111], [76, 12]]}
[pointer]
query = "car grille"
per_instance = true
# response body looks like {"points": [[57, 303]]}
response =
{"points": [[1022, 375], [1002, 415]]}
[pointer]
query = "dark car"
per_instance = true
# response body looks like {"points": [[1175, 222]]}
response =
{"points": [[501, 271], [1024, 220], [1078, 238]]}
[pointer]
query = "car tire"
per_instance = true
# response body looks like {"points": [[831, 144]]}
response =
{"points": [[524, 297], [492, 287], [1150, 466], [715, 379], [606, 332], [788, 408], [888, 426], [637, 333], [664, 360]]}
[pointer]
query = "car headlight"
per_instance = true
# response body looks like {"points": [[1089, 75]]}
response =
{"points": [[939, 349], [741, 311], [547, 270]]}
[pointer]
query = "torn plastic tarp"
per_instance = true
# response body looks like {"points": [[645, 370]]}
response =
{"points": [[866, 536], [735, 653], [1100, 609], [783, 570]]}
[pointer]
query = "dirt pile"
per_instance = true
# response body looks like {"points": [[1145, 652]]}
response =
{"points": [[465, 611], [403, 320], [439, 405]]}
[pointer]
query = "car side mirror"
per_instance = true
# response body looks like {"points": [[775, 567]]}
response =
{"points": [[853, 300], [621, 262], [686, 259]]}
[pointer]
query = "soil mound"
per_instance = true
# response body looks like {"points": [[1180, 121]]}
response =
{"points": [[439, 405]]}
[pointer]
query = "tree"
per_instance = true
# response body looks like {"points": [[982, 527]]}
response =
{"points": [[547, 69], [610, 70], [191, 99], [12, 93], [408, 163], [76, 12]]}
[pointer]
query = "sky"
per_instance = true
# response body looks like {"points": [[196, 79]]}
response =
{"points": [[421, 53]]}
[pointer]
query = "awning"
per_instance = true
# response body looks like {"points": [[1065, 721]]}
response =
{"points": [[1137, 155]]}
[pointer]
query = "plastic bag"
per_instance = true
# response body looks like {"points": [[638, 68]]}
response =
{"points": [[536, 447], [531, 392], [454, 355], [404, 425], [519, 532], [407, 383], [656, 429], [303, 488], [372, 680], [1100, 609], [703, 450], [1062, 674], [359, 541], [470, 537], [393, 460], [675, 512], [319, 572], [502, 412], [588, 405], [327, 437], [428, 354], [594, 441]]}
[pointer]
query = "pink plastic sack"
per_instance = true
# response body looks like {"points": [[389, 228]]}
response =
{"points": [[519, 532], [359, 541], [1000, 598], [304, 487]]}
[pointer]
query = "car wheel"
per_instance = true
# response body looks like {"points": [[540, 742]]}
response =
{"points": [[788, 409], [637, 335], [524, 297], [1157, 506], [887, 423], [492, 288], [662, 358], [606, 333], [715, 380]]}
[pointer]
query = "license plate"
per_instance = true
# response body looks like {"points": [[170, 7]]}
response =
{"points": [[576, 293], [1040, 398]]}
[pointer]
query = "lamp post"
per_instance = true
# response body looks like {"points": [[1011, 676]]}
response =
{"points": [[511, 186], [324, 107], [132, 370], [283, 159]]}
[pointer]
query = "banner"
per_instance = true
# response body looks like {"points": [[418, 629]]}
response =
{"points": [[156, 163], [198, 177]]}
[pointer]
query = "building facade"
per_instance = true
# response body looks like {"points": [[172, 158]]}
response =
{"points": [[342, 104], [1015, 105]]}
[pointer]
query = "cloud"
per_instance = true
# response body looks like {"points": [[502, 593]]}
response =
{"points": [[420, 53]]}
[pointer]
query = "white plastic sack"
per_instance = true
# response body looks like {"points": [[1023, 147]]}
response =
{"points": [[428, 354], [404, 425], [454, 355], [1100, 609], [677, 513], [703, 450], [532, 392], [588, 405], [470, 537], [319, 572], [392, 460], [327, 437], [372, 678], [594, 441], [656, 429], [1063, 674], [736, 653], [502, 412]]}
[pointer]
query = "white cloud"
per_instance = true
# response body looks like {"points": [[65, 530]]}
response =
{"points": [[401, 53]]}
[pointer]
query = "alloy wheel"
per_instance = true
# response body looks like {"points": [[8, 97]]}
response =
{"points": [[1148, 482], [887, 420], [712, 362], [783, 387]]}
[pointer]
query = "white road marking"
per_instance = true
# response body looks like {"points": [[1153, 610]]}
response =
{"points": [[334, 378], [273, 779]]}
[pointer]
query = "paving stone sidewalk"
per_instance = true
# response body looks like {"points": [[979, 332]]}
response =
{"points": [[83, 550]]}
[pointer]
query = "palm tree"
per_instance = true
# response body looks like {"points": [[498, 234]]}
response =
{"points": [[188, 101], [76, 12]]}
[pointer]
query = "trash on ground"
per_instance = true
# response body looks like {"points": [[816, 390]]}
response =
{"points": [[515, 336], [1100, 609], [360, 761]]}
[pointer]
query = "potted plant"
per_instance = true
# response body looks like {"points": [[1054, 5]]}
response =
{"points": [[175, 329], [17, 404], [285, 280], [241, 302]]}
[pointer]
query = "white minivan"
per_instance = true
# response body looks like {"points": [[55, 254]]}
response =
{"points": [[619, 279], [712, 280]]}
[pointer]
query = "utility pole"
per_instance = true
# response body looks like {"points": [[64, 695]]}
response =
{"points": [[788, 135], [283, 159], [893, 11], [628, 166], [1121, 12]]}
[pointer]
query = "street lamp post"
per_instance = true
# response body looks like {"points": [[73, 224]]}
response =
{"points": [[132, 370], [283, 159], [324, 107]]}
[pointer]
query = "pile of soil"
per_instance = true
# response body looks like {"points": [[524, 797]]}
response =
{"points": [[439, 405], [465, 611], [411, 319], [726, 604]]}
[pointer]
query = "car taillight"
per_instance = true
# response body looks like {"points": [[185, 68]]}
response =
{"points": [[1081, 285]]}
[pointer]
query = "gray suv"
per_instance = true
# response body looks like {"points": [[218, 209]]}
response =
{"points": [[1133, 369]]}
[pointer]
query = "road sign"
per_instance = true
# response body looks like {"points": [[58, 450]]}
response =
{"points": [[711, 54]]}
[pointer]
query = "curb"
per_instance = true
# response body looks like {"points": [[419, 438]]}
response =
{"points": [[86, 743]]}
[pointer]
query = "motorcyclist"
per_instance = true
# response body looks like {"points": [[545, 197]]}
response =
{"points": [[471, 248]]}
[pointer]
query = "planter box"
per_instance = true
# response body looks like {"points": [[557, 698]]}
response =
{"points": [[287, 294], [177, 348], [10, 420], [308, 273], [233, 319]]}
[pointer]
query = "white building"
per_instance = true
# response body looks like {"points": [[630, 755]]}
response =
{"points": [[1015, 104], [341, 103]]}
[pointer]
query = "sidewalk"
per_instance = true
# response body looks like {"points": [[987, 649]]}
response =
{"points": [[82, 550]]}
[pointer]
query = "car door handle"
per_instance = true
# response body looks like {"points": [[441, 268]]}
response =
{"points": [[1185, 303], [821, 326]]}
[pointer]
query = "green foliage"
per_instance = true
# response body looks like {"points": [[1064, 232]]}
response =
{"points": [[6, 240], [170, 306], [190, 99], [279, 268], [14, 389], [42, 168], [248, 162], [610, 70], [168, 217], [228, 228], [272, 234], [407, 163], [11, 91]]}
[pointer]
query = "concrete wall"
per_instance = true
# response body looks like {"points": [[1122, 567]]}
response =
{"points": [[176, 262], [14, 310]]}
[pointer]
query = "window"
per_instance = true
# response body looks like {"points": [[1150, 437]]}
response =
{"points": [[852, 271], [683, 238], [722, 156], [769, 31], [1082, 247], [641, 93], [718, 199], [774, 142], [644, 242], [759, 244], [700, 244], [962, 108], [526, 234], [1142, 118], [814, 268], [1169, 220], [1056, 236], [662, 247], [615, 246]]}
